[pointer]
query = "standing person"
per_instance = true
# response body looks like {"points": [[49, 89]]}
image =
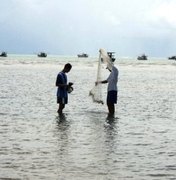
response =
{"points": [[112, 89], [62, 91]]}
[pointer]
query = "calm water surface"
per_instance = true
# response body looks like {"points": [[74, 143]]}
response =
{"points": [[139, 143]]}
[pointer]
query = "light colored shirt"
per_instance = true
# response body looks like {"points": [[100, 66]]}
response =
{"points": [[113, 79]]}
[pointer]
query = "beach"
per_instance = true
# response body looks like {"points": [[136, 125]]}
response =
{"points": [[36, 143]]}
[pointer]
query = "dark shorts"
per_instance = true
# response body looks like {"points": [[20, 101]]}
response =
{"points": [[62, 100], [112, 97]]}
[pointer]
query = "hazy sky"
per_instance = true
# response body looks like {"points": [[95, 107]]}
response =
{"points": [[68, 27]]}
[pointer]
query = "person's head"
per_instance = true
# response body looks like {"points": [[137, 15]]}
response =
{"points": [[67, 67]]}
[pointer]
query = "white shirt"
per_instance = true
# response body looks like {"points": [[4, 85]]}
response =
{"points": [[113, 79]]}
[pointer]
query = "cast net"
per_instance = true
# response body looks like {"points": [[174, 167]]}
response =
{"points": [[96, 91]]}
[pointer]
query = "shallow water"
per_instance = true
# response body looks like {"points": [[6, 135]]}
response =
{"points": [[139, 143]]}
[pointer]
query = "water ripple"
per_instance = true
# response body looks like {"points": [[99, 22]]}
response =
{"points": [[36, 143]]}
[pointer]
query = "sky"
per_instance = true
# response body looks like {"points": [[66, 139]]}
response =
{"points": [[69, 27]]}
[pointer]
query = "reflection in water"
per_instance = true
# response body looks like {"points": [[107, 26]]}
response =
{"points": [[61, 118], [111, 119], [111, 143], [62, 135], [84, 144]]}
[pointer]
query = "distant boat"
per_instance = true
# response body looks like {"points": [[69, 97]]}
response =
{"points": [[111, 55], [83, 55], [142, 57], [3, 54], [172, 58], [42, 54]]}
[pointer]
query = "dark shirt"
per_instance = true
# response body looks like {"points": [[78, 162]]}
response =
{"points": [[61, 79]]}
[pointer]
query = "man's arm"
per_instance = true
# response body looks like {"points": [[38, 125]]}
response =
{"points": [[59, 82], [101, 82]]}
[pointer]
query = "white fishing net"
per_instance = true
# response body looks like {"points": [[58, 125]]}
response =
{"points": [[106, 59], [96, 91]]}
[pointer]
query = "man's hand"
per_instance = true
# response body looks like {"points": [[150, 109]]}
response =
{"points": [[70, 84]]}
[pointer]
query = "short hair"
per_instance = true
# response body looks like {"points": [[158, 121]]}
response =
{"points": [[68, 66]]}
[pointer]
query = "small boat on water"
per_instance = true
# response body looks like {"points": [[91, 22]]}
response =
{"points": [[172, 58], [42, 54], [142, 57], [83, 55], [3, 54]]}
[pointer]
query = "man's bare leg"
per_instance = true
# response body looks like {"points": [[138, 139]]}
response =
{"points": [[61, 107], [111, 109]]}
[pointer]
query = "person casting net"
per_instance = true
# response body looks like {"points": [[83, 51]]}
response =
{"points": [[96, 91]]}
